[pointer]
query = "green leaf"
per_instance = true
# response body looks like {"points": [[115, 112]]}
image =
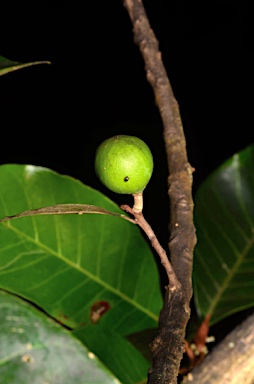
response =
{"points": [[224, 255], [7, 66], [69, 264], [142, 340], [66, 209], [117, 353], [35, 350]]}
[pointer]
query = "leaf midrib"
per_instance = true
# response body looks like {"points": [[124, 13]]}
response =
{"points": [[85, 272], [230, 275]]}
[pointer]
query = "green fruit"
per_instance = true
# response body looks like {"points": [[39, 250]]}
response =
{"points": [[124, 164]]}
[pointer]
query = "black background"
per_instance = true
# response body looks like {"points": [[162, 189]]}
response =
{"points": [[57, 115]]}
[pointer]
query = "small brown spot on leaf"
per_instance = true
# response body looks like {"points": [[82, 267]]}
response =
{"points": [[98, 310]]}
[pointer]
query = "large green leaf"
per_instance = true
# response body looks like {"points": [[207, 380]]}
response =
{"points": [[35, 350], [224, 255], [7, 66], [70, 264], [116, 353]]}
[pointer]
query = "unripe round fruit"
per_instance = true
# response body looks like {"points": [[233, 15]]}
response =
{"points": [[124, 164]]}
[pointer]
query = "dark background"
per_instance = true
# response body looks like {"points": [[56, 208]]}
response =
{"points": [[56, 115]]}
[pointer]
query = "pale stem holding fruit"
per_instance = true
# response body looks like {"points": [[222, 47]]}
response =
{"points": [[138, 202]]}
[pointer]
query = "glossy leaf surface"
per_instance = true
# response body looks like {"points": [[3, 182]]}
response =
{"points": [[69, 264], [224, 255], [35, 350], [117, 353]]}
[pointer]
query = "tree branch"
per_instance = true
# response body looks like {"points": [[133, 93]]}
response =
{"points": [[231, 361], [168, 346]]}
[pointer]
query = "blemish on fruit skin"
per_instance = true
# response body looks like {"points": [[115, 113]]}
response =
{"points": [[126, 178]]}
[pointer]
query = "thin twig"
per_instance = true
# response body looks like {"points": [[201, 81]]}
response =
{"points": [[168, 346], [140, 220]]}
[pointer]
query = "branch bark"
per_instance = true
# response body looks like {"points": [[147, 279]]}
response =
{"points": [[168, 346], [231, 362], [140, 220]]}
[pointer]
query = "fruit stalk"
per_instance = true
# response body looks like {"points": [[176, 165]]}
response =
{"points": [[138, 202]]}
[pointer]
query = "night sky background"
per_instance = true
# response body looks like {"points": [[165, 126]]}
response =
{"points": [[56, 115]]}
